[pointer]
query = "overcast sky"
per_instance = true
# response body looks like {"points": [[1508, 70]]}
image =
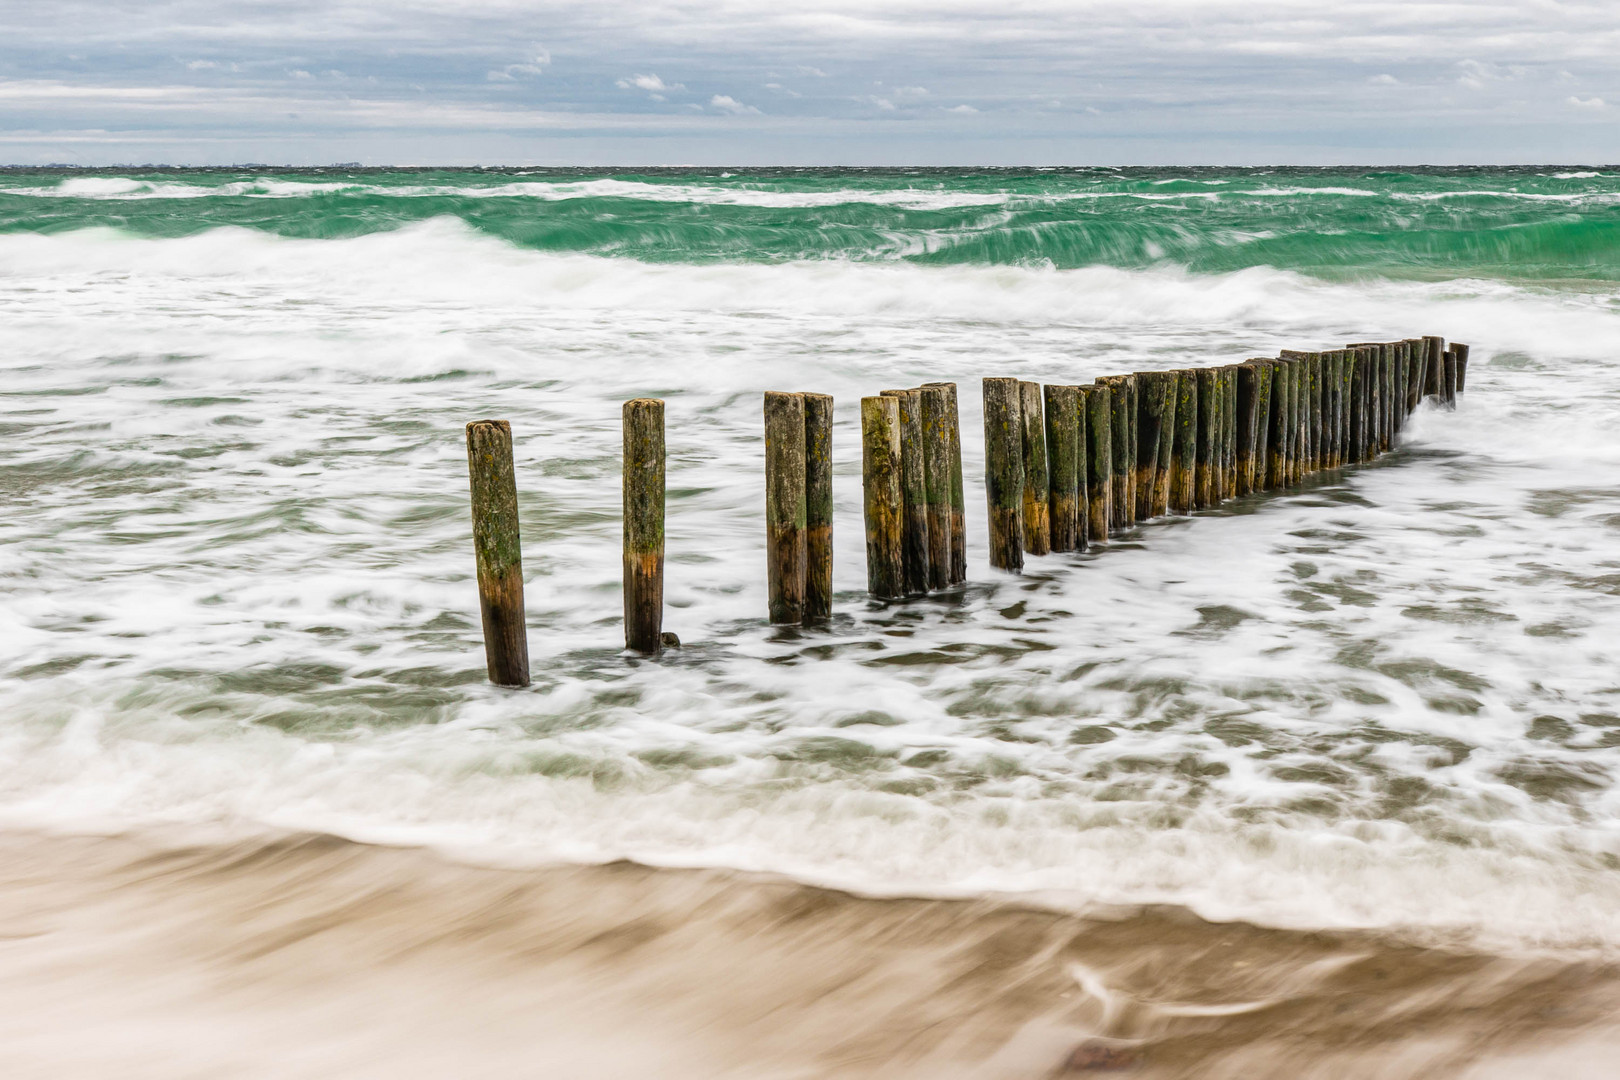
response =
{"points": [[779, 82]]}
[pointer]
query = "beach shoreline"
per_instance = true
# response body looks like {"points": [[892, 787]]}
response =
{"points": [[158, 954]]}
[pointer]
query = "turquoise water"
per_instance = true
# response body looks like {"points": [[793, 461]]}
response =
{"points": [[1518, 223]]}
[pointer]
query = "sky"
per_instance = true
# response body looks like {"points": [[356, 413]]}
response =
{"points": [[834, 82]]}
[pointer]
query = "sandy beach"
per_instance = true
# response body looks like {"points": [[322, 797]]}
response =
{"points": [[309, 956]]}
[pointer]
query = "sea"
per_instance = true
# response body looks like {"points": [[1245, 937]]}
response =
{"points": [[238, 583]]}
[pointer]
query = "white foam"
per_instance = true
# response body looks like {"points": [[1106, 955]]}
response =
{"points": [[238, 584]]}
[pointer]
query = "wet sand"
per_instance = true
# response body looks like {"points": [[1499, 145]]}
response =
{"points": [[310, 956]]}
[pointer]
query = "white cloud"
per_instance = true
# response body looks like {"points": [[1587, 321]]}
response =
{"points": [[528, 68], [202, 65], [806, 69], [1585, 103], [881, 102], [1384, 80], [650, 83], [964, 109], [911, 93], [730, 104]]}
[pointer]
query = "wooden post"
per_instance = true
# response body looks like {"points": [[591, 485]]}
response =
{"points": [[1264, 370], [1149, 427], [1204, 454], [497, 551], [913, 486], [1448, 387], [1434, 367], [785, 517], [1099, 451], [1331, 363], [1397, 391], [884, 502], [1122, 426], [1170, 387], [1228, 378], [1248, 380], [1004, 472], [936, 422], [1063, 432], [1082, 487], [643, 469], [1416, 350], [1037, 483], [818, 506], [1184, 474], [1276, 427], [958, 572], [1305, 457], [1462, 366], [1366, 373]]}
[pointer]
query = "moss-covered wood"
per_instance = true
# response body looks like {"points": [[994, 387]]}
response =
{"points": [[818, 506], [1063, 433], [785, 507], [1099, 451], [936, 423], [1184, 444], [1004, 472], [1037, 481], [883, 502], [497, 551], [958, 572], [642, 423], [913, 486]]}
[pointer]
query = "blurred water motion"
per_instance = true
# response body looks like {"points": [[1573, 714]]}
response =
{"points": [[1319, 784], [315, 957]]}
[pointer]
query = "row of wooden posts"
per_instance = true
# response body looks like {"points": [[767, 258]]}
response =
{"points": [[1064, 466]]}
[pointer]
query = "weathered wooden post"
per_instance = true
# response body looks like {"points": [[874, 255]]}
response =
{"points": [[1448, 387], [497, 551], [1248, 384], [1099, 451], [1229, 437], [1037, 483], [1004, 472], [958, 572], [785, 512], [884, 502], [1204, 485], [913, 485], [1462, 366], [937, 482], [1434, 367], [643, 480], [1149, 427], [1398, 392], [1301, 362], [1331, 363], [818, 506], [1122, 427], [1064, 431], [1170, 387], [1184, 444], [1416, 350], [1264, 370]]}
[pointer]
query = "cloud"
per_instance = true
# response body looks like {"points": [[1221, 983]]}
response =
{"points": [[202, 65], [1585, 103], [528, 68], [650, 83], [964, 109], [1384, 80], [730, 105], [881, 102]]}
